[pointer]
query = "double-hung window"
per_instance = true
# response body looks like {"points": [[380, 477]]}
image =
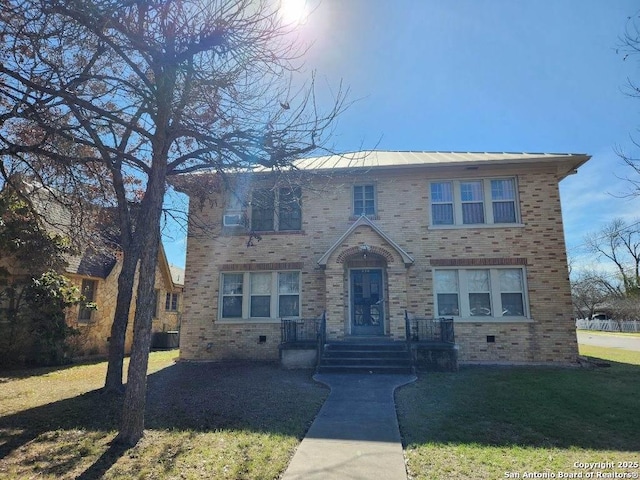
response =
{"points": [[260, 295], [364, 200], [232, 295], [276, 210], [503, 200], [288, 294], [474, 202], [480, 292], [446, 287], [442, 203], [262, 210], [88, 290], [289, 209], [171, 302]]}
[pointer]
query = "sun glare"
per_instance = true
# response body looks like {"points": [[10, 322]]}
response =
{"points": [[293, 11]]}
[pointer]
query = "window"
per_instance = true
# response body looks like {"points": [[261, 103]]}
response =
{"points": [[503, 200], [288, 294], [260, 295], [511, 292], [289, 209], [474, 202], [446, 286], [364, 202], [262, 210], [232, 288], [442, 203], [492, 292], [479, 289], [234, 213], [88, 290], [276, 210], [171, 302]]}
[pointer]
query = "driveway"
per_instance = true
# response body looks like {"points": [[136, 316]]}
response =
{"points": [[609, 340]]}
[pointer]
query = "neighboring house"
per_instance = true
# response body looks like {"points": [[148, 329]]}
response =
{"points": [[95, 269], [367, 236], [97, 276]]}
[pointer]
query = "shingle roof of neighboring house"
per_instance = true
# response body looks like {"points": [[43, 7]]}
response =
{"points": [[92, 230], [91, 263]]}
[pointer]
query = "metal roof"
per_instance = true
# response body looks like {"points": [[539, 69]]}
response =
{"points": [[378, 158]]}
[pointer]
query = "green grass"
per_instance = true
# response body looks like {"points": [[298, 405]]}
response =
{"points": [[203, 421], [483, 423], [611, 354], [245, 421]]}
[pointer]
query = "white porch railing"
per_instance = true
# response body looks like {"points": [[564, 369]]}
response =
{"points": [[608, 325]]}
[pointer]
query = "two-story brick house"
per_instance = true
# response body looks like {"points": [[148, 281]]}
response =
{"points": [[367, 236]]}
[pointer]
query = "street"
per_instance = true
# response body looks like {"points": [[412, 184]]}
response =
{"points": [[609, 340]]}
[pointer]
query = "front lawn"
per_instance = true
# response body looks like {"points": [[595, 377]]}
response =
{"points": [[492, 422], [203, 421], [245, 421]]}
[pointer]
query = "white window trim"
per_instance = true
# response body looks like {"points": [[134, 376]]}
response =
{"points": [[495, 296], [246, 297], [487, 202]]}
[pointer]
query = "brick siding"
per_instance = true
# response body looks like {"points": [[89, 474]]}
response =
{"points": [[403, 211]]}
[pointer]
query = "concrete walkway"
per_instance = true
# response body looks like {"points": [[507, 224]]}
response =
{"points": [[356, 434]]}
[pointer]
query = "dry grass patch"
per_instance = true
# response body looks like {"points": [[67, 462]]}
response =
{"points": [[203, 421]]}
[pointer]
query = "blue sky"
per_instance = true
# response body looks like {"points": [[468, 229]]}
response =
{"points": [[484, 75]]}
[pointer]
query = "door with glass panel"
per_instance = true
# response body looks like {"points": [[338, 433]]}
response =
{"points": [[367, 302]]}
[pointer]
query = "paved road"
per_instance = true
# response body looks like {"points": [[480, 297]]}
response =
{"points": [[625, 342]]}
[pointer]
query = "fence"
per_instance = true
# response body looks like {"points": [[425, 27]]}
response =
{"points": [[439, 330], [628, 326], [303, 330]]}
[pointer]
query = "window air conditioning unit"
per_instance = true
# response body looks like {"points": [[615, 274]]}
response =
{"points": [[233, 220]]}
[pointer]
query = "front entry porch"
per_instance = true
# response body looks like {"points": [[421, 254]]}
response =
{"points": [[429, 344]]}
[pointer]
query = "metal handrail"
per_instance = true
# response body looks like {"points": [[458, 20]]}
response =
{"points": [[422, 329], [321, 334]]}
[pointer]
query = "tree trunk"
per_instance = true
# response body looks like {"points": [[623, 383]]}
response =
{"points": [[132, 423], [130, 257], [113, 381]]}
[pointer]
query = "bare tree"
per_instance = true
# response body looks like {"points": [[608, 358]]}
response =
{"points": [[619, 243], [630, 49], [591, 290], [153, 89]]}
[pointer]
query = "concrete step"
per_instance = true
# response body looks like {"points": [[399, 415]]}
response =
{"points": [[366, 357]]}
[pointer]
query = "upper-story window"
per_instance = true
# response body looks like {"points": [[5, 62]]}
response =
{"points": [[474, 202], [276, 210], [364, 200]]}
